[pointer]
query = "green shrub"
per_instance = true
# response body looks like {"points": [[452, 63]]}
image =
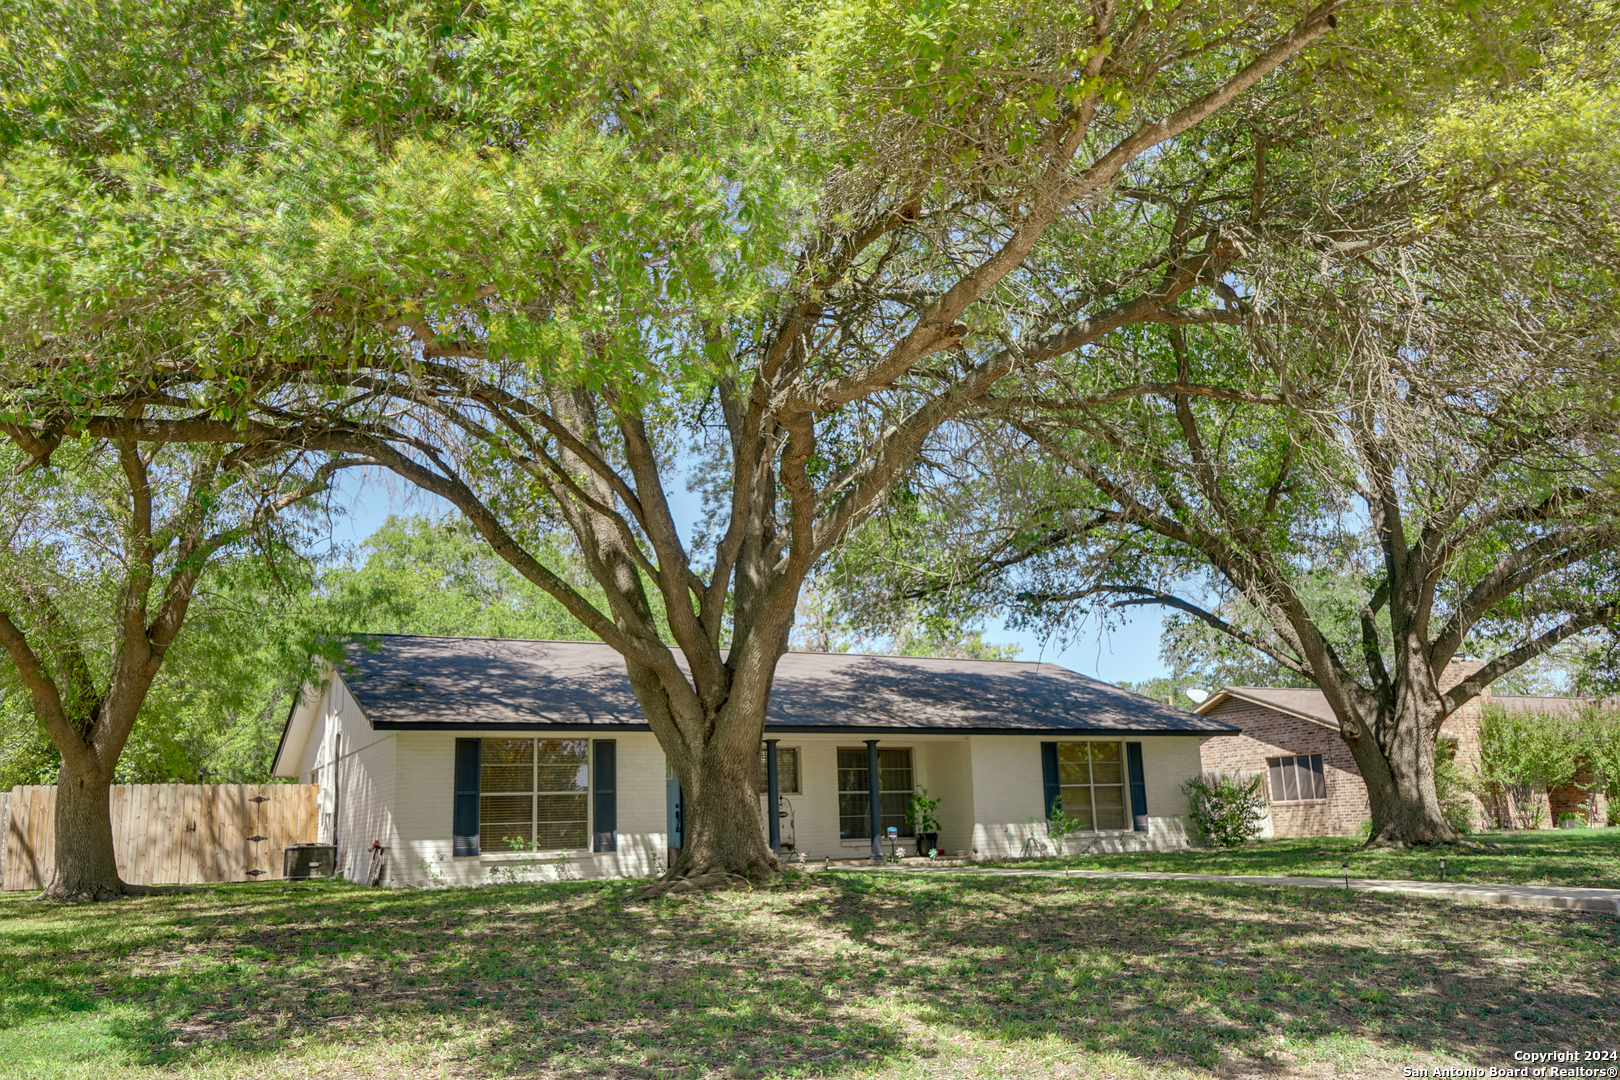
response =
{"points": [[1226, 808], [1600, 730], [1522, 753], [1452, 788], [920, 812]]}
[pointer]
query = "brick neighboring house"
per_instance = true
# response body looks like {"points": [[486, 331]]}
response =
{"points": [[1312, 782]]}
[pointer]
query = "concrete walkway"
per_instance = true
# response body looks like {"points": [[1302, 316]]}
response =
{"points": [[1542, 896]]}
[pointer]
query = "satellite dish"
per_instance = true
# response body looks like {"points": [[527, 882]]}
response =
{"points": [[1197, 693]]}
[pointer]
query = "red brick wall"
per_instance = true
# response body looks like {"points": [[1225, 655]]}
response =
{"points": [[1576, 796], [1269, 733], [1463, 725]]}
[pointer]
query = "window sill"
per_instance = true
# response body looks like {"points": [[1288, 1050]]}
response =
{"points": [[526, 856], [1299, 802]]}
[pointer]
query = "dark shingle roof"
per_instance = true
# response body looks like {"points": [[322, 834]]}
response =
{"points": [[1551, 705], [1309, 704], [1312, 705], [438, 683]]}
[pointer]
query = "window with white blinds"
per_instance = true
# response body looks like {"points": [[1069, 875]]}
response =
{"points": [[787, 771], [854, 791], [532, 795], [1091, 778]]}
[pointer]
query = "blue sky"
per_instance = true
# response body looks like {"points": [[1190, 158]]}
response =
{"points": [[1127, 653]]}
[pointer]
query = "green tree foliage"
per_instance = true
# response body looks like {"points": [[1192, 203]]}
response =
{"points": [[108, 550], [1358, 470], [824, 624], [214, 714], [529, 255], [425, 576], [1523, 752], [26, 753]]}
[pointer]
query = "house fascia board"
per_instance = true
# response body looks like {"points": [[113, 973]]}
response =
{"points": [[300, 719], [1229, 695], [790, 729]]}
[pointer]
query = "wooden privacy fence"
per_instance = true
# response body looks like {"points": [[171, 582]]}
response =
{"points": [[171, 834]]}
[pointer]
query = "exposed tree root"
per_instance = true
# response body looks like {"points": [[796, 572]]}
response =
{"points": [[723, 881], [88, 894], [102, 894]]}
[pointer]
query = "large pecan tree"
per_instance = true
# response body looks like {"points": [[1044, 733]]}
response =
{"points": [[548, 259]]}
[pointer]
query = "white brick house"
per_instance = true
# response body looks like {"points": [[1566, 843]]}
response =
{"points": [[556, 759]]}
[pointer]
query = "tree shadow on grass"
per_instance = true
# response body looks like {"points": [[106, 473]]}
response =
{"points": [[557, 979], [1199, 973], [1573, 857], [579, 978]]}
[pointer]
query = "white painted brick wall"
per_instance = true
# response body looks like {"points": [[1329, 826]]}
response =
{"points": [[1009, 793], [950, 780], [986, 784], [357, 777], [426, 847]]}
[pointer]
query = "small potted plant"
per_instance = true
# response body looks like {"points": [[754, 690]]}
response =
{"points": [[920, 816]]}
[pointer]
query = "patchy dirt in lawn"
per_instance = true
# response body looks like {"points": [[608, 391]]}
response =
{"points": [[894, 976]]}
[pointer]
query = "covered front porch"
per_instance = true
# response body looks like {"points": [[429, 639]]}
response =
{"points": [[837, 795]]}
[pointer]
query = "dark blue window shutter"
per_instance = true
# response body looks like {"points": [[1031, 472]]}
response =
{"points": [[466, 809], [1133, 761], [1049, 775], [604, 774]]}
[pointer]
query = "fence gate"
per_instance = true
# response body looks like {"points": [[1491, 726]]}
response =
{"points": [[171, 834]]}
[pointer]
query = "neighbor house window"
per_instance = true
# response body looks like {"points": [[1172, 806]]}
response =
{"points": [[854, 792], [787, 771], [1296, 779], [532, 795], [1091, 778]]}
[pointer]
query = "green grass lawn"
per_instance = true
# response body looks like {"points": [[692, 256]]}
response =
{"points": [[1589, 858], [894, 976]]}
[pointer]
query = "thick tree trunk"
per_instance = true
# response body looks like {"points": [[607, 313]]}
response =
{"points": [[723, 833], [86, 868], [723, 837], [1398, 769]]}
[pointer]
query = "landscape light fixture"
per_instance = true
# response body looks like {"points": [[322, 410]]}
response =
{"points": [[1346, 869], [1442, 868]]}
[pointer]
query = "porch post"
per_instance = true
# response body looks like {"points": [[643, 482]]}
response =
{"points": [[872, 795], [773, 796]]}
